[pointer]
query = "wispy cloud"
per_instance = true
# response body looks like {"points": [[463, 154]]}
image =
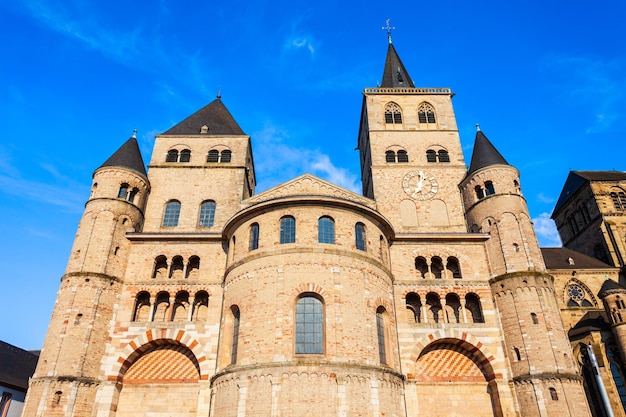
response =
{"points": [[277, 162], [547, 233], [541, 197], [299, 42]]}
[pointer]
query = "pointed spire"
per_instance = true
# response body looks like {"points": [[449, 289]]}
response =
{"points": [[395, 75], [485, 154], [128, 156], [212, 119]]}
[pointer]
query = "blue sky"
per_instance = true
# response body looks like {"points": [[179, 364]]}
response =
{"points": [[547, 83]]}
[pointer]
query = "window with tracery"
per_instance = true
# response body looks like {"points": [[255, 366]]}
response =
{"points": [[577, 295], [426, 113], [393, 114], [619, 200]]}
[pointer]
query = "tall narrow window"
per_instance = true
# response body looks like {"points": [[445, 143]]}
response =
{"points": [[489, 188], [393, 114], [414, 304], [480, 193], [359, 231], [421, 266], [123, 192], [426, 113], [309, 325], [254, 237], [207, 214], [172, 212], [185, 155], [403, 156], [132, 194], [142, 307], [553, 395], [213, 156], [235, 343], [325, 230], [452, 265], [287, 229], [380, 330], [533, 317], [172, 156], [436, 266], [225, 156], [472, 304]]}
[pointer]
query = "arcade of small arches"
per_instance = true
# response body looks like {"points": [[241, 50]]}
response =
{"points": [[425, 114], [452, 311], [176, 268], [184, 155], [127, 193], [434, 268], [163, 308], [401, 156]]}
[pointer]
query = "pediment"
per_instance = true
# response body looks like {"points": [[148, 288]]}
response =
{"points": [[308, 185]]}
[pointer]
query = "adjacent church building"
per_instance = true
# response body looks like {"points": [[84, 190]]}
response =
{"points": [[187, 294]]}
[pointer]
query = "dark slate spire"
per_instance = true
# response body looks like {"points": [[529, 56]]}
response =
{"points": [[128, 156], [212, 119], [485, 154], [395, 75]]}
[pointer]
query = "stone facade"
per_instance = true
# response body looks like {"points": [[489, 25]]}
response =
{"points": [[187, 294]]}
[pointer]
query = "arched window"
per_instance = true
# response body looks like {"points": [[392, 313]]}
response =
{"points": [[361, 242], [553, 394], [480, 193], [426, 113], [193, 267], [200, 306], [472, 304], [619, 200], [213, 156], [518, 356], [123, 192], [207, 214], [172, 212], [436, 266], [181, 307], [254, 237], [235, 342], [172, 156], [390, 156], [225, 156], [403, 156], [431, 156], [534, 319], [132, 194], [142, 307], [185, 155], [393, 114], [421, 265], [489, 188], [325, 230], [160, 267], [380, 331], [309, 325], [433, 307], [176, 269], [57, 398], [453, 308], [443, 156], [414, 303], [452, 265], [161, 307], [287, 229]]}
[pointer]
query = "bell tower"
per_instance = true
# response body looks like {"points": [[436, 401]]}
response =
{"points": [[411, 156]]}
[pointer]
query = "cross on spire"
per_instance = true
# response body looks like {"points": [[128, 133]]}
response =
{"points": [[388, 28]]}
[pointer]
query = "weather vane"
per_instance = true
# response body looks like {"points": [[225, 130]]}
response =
{"points": [[388, 28]]}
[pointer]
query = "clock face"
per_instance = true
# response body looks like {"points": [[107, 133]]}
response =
{"points": [[419, 185]]}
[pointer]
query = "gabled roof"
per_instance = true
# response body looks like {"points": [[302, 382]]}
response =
{"points": [[16, 366], [559, 258], [395, 75], [215, 116], [610, 286], [576, 179], [484, 154], [127, 156]]}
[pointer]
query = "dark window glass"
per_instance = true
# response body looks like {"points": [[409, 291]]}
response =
{"points": [[226, 155], [430, 116], [172, 156], [479, 192], [235, 344], [390, 156], [397, 118], [254, 237], [123, 192], [380, 330], [326, 230], [361, 243], [431, 156], [421, 116], [489, 188], [403, 156], [388, 118], [214, 156], [287, 230], [207, 214], [443, 156], [172, 212], [185, 155], [309, 325]]}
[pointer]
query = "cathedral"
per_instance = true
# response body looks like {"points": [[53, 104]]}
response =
{"points": [[188, 294]]}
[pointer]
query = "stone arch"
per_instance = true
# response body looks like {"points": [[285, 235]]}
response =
{"points": [[147, 341], [310, 288], [438, 213], [568, 295]]}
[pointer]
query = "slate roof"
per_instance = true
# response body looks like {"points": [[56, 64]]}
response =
{"points": [[128, 156], [484, 154], [576, 179], [395, 72], [214, 115], [558, 258], [609, 286], [16, 366]]}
